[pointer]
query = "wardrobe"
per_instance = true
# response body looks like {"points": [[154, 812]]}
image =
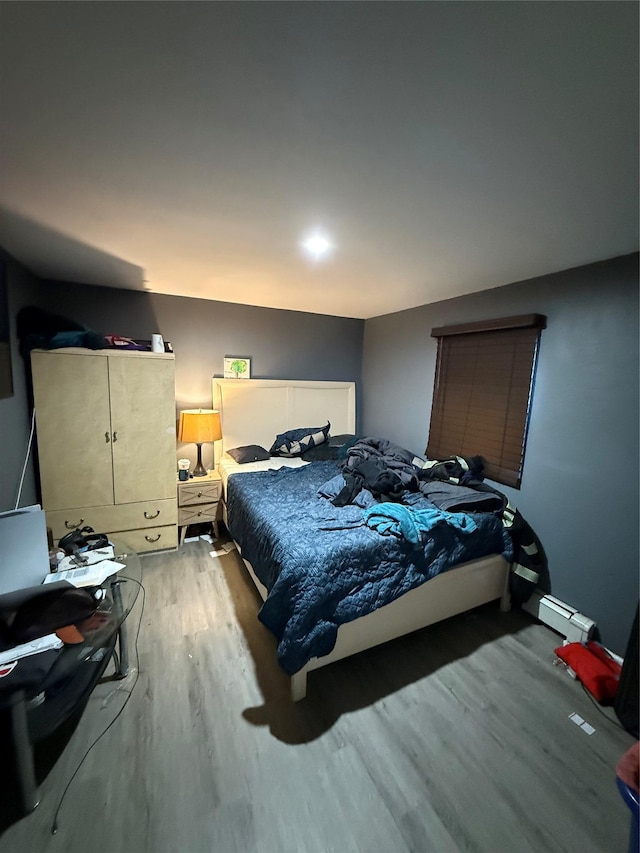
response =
{"points": [[106, 443]]}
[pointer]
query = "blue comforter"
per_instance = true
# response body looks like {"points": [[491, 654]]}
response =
{"points": [[323, 566]]}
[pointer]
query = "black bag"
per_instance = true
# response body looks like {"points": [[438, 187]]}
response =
{"points": [[82, 538], [27, 614]]}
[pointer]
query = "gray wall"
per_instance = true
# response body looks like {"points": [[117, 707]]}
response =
{"points": [[282, 344], [580, 482], [23, 289]]}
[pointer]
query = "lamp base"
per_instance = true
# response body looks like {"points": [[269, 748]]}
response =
{"points": [[199, 470]]}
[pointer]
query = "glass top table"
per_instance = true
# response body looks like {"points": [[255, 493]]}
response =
{"points": [[115, 598], [45, 689], [120, 593]]}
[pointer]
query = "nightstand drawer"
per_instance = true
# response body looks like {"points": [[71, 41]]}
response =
{"points": [[198, 493], [197, 514]]}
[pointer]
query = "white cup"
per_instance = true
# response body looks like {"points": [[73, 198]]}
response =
{"points": [[157, 344]]}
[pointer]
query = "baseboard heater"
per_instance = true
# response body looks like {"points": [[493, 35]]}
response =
{"points": [[566, 620]]}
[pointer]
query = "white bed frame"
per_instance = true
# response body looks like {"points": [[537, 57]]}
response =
{"points": [[253, 411]]}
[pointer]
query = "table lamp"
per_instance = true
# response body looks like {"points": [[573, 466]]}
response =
{"points": [[197, 426]]}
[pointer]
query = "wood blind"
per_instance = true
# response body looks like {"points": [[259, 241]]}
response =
{"points": [[482, 393]]}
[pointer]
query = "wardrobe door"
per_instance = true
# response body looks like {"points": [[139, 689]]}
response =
{"points": [[143, 417], [71, 396]]}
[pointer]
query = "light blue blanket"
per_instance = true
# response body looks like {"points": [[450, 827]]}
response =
{"points": [[393, 519]]}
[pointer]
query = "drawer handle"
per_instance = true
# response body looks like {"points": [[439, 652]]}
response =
{"points": [[115, 436], [155, 515], [199, 494], [153, 538], [199, 512], [106, 437], [70, 525]]}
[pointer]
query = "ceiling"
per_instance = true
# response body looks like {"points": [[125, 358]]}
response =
{"points": [[445, 147]]}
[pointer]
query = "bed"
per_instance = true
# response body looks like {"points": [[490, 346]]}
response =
{"points": [[253, 412]]}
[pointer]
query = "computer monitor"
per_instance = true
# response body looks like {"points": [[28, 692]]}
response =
{"points": [[24, 551]]}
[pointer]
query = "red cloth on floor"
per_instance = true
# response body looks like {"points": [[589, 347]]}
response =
{"points": [[595, 668]]}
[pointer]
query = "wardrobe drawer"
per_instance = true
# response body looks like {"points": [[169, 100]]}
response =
{"points": [[114, 517], [147, 539]]}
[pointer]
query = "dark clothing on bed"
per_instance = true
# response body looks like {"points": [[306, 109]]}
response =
{"points": [[371, 474], [461, 498], [456, 484], [380, 466], [456, 469]]}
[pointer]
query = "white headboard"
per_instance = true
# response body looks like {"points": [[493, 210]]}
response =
{"points": [[254, 411]]}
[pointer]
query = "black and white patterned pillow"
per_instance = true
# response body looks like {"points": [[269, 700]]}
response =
{"points": [[295, 441]]}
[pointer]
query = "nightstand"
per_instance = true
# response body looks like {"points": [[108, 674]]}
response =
{"points": [[198, 500]]}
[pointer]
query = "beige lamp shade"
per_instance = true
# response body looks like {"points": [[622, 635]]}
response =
{"points": [[197, 426]]}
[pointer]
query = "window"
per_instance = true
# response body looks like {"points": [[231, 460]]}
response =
{"points": [[482, 393]]}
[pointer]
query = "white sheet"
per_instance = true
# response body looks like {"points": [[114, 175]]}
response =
{"points": [[227, 466]]}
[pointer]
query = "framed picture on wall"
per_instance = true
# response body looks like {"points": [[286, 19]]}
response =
{"points": [[237, 367]]}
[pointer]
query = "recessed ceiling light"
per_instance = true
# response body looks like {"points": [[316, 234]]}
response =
{"points": [[317, 245]]}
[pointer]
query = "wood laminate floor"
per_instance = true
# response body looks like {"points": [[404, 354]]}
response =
{"points": [[456, 738]]}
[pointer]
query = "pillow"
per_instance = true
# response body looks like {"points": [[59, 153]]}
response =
{"points": [[295, 441], [343, 443], [339, 440], [335, 447], [321, 453], [249, 453]]}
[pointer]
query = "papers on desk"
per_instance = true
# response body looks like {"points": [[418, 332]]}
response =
{"points": [[86, 558], [42, 644], [92, 575]]}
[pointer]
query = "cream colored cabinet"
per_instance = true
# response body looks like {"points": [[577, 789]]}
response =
{"points": [[106, 443]]}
